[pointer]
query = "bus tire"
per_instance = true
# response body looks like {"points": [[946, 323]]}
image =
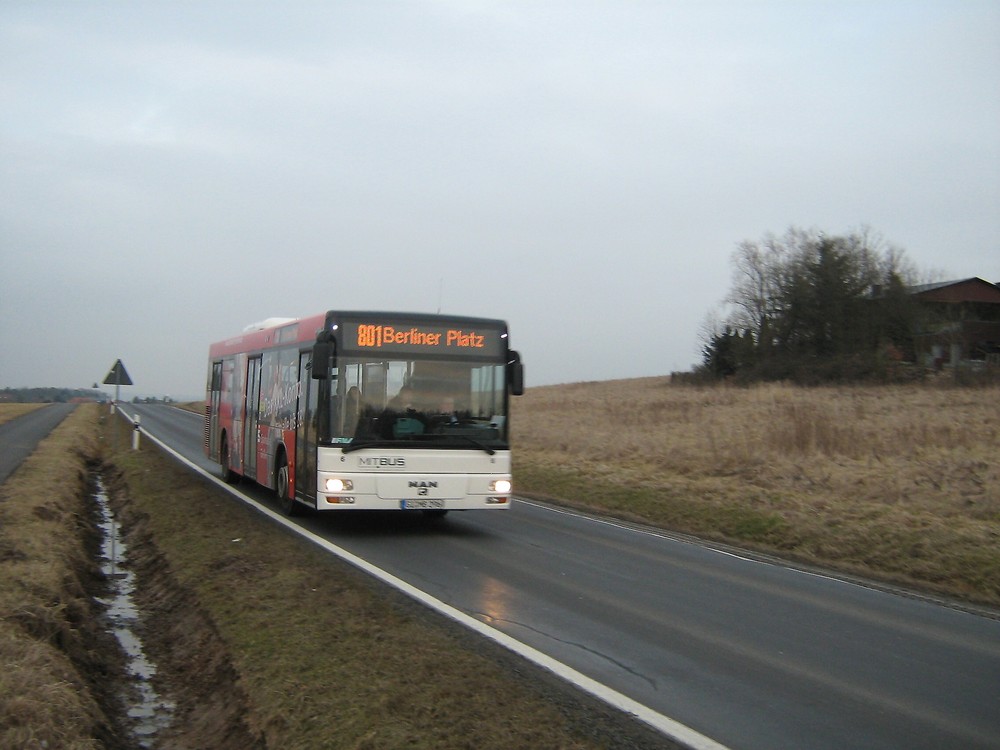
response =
{"points": [[288, 504], [226, 473]]}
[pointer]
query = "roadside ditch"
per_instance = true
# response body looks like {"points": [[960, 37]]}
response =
{"points": [[180, 690], [147, 713], [100, 648]]}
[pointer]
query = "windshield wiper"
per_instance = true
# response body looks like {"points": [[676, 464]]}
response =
{"points": [[475, 443], [355, 446]]}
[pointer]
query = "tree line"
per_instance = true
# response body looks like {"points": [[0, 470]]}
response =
{"points": [[809, 307], [65, 395], [48, 395]]}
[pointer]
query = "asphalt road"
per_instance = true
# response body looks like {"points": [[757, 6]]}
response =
{"points": [[19, 437], [749, 653]]}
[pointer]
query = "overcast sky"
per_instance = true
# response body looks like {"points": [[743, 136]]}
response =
{"points": [[172, 171]]}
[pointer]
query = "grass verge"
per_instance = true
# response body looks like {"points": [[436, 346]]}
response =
{"points": [[324, 656], [57, 667]]}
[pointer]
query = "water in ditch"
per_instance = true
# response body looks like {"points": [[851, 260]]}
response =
{"points": [[148, 712]]}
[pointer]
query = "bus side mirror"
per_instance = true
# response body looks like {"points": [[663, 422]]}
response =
{"points": [[515, 374], [323, 357]]}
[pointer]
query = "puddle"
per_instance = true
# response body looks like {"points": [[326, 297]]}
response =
{"points": [[148, 712]]}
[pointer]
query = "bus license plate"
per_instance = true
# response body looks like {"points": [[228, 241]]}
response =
{"points": [[427, 503]]}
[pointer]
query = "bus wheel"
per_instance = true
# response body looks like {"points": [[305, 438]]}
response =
{"points": [[226, 474], [288, 504]]}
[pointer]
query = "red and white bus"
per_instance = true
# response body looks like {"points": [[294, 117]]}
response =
{"points": [[366, 410]]}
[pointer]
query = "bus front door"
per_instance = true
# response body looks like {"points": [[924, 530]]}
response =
{"points": [[305, 435]]}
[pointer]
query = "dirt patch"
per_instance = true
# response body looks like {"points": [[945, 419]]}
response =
{"points": [[193, 668]]}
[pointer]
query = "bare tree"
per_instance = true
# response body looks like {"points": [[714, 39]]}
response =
{"points": [[805, 297]]}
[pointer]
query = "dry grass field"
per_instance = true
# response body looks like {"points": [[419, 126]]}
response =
{"points": [[900, 483]]}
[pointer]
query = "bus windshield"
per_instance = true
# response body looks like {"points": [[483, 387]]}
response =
{"points": [[418, 403]]}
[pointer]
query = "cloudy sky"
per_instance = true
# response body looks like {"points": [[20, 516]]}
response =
{"points": [[172, 171]]}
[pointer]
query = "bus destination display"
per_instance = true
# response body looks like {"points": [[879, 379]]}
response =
{"points": [[363, 336]]}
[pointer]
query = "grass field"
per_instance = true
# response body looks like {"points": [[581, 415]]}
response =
{"points": [[897, 483]]}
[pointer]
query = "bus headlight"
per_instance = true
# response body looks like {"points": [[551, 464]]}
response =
{"points": [[500, 485], [339, 485]]}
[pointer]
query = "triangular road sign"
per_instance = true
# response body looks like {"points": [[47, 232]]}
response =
{"points": [[118, 376]]}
